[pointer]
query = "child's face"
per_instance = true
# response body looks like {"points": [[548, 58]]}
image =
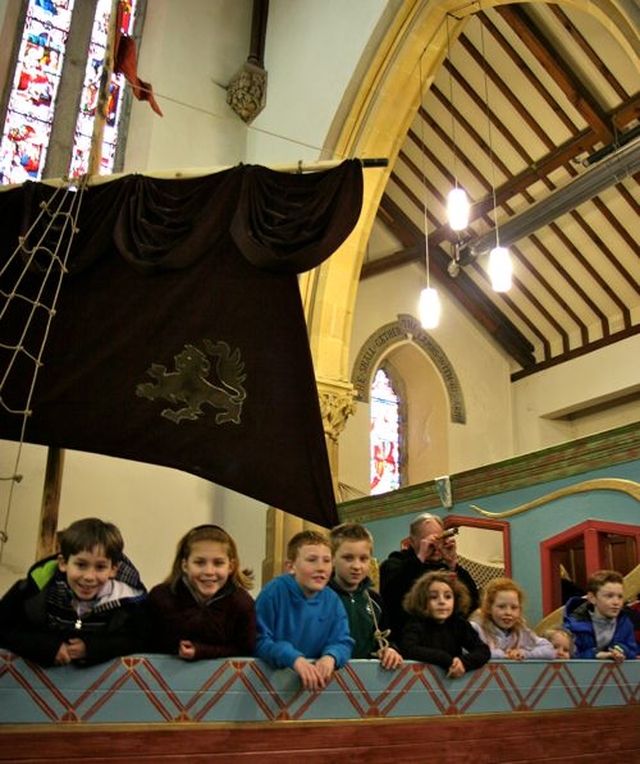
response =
{"points": [[207, 567], [561, 644], [87, 572], [441, 601], [505, 609], [608, 600], [351, 563], [311, 568]]}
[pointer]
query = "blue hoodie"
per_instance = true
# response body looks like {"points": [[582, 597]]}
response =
{"points": [[291, 625]]}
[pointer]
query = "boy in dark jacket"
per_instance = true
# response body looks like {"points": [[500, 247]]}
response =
{"points": [[79, 606], [601, 628]]}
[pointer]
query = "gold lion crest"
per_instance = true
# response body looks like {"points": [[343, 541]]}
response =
{"points": [[189, 388]]}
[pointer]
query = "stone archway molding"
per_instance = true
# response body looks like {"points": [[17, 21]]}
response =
{"points": [[406, 329]]}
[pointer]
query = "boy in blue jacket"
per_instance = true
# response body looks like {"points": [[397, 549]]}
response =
{"points": [[299, 619], [602, 629]]}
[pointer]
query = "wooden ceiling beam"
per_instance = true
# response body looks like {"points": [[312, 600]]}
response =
{"points": [[544, 51]]}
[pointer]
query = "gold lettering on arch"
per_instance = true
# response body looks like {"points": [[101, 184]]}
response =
{"points": [[406, 329]]}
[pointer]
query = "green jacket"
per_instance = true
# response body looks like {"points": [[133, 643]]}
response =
{"points": [[358, 605]]}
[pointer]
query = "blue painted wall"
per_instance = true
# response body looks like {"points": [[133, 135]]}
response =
{"points": [[530, 528]]}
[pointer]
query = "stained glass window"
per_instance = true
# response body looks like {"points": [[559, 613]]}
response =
{"points": [[384, 436], [32, 102], [31, 107]]}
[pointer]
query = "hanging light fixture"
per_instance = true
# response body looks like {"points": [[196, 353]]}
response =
{"points": [[429, 303], [429, 308], [458, 206], [500, 267]]}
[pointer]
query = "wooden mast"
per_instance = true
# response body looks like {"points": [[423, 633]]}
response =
{"points": [[50, 507]]}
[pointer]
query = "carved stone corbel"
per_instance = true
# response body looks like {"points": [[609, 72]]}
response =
{"points": [[337, 404], [247, 91]]}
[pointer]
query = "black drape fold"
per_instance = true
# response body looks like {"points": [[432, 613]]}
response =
{"points": [[179, 336]]}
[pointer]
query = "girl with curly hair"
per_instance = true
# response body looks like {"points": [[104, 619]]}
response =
{"points": [[437, 631]]}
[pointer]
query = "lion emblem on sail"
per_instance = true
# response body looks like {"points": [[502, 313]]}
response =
{"points": [[189, 388]]}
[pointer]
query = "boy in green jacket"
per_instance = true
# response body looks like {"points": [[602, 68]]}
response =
{"points": [[352, 548]]}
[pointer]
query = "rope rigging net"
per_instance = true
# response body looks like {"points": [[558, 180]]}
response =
{"points": [[44, 248]]}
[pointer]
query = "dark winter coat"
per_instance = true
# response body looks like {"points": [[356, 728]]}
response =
{"points": [[431, 641], [37, 616]]}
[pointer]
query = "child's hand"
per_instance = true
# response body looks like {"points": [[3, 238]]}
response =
{"points": [[76, 649], [186, 650], [456, 669], [515, 654], [390, 659], [326, 666], [615, 654], [309, 674], [62, 656]]}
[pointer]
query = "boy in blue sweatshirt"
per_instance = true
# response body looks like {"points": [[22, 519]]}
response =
{"points": [[301, 620]]}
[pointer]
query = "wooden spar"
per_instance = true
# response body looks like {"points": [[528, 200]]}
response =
{"points": [[50, 506], [102, 108], [94, 179]]}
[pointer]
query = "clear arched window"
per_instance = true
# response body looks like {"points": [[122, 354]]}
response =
{"points": [[38, 75], [384, 439]]}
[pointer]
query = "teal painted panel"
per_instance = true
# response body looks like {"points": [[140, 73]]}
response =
{"points": [[163, 689]]}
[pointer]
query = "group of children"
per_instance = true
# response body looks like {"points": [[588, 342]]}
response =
{"points": [[87, 604]]}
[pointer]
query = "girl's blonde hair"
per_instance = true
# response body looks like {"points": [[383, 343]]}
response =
{"points": [[483, 616], [416, 600], [241, 578], [550, 634]]}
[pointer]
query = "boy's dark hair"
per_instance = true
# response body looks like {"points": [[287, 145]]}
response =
{"points": [[601, 577], [349, 532], [305, 538], [417, 598], [87, 534], [242, 578]]}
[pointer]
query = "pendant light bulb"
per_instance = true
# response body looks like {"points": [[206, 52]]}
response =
{"points": [[458, 209], [429, 308], [500, 269]]}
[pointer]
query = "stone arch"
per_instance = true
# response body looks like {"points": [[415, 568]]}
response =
{"points": [[406, 329], [374, 124]]}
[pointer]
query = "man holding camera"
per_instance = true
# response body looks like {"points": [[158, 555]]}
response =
{"points": [[429, 548]]}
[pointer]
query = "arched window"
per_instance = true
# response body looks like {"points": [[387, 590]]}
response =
{"points": [[51, 38], [385, 454]]}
